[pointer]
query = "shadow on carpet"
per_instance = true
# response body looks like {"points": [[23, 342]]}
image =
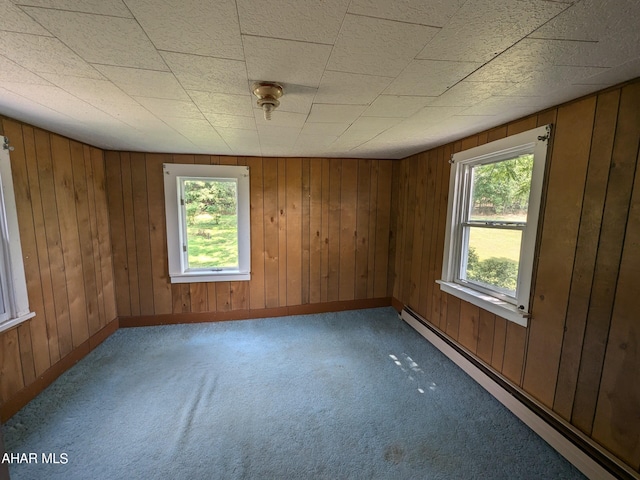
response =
{"points": [[349, 395]]}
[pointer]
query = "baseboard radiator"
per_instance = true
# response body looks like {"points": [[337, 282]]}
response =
{"points": [[572, 444]]}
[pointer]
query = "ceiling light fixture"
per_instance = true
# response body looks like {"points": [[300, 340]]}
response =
{"points": [[268, 94]]}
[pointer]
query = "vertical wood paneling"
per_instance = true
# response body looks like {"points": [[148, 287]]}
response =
{"points": [[157, 234], [257, 298], [29, 210], [293, 273], [324, 232], [315, 230], [271, 234], [610, 244], [282, 231], [383, 249], [617, 424], [333, 238], [568, 159], [586, 251], [362, 229], [92, 314], [130, 232], [54, 246], [56, 209], [373, 228], [348, 209], [142, 238], [306, 226]]}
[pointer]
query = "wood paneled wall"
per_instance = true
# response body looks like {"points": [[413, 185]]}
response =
{"points": [[580, 356], [319, 233], [64, 230]]}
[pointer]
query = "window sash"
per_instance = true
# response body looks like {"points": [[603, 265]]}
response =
{"points": [[184, 222]]}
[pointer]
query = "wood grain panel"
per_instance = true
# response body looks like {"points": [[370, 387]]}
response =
{"points": [[141, 230], [257, 298], [348, 209], [617, 424], [561, 219], [294, 231], [333, 236], [362, 236], [610, 244], [129, 232], [282, 231], [469, 325], [271, 234], [486, 327], [306, 225], [324, 233], [56, 209], [383, 248], [418, 233], [54, 243], [315, 230], [586, 251]]}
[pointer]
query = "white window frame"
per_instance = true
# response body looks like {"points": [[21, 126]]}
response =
{"points": [[513, 309], [176, 222], [13, 284]]}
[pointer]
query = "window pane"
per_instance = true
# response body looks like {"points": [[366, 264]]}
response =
{"points": [[500, 190], [211, 208], [492, 258]]}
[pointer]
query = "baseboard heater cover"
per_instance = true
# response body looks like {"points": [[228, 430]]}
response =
{"points": [[573, 445]]}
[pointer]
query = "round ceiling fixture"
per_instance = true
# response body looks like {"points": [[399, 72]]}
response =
{"points": [[268, 94]]}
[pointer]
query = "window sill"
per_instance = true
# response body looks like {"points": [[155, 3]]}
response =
{"points": [[487, 302], [14, 322], [196, 277]]}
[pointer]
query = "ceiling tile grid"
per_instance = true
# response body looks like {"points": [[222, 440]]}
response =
{"points": [[361, 78]]}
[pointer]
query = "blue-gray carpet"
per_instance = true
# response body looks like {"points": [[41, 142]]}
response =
{"points": [[350, 395]]}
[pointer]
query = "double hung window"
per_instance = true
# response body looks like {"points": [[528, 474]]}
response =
{"points": [[492, 219], [14, 303], [207, 212]]}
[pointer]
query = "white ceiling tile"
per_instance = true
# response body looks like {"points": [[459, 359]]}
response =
{"points": [[579, 22], [466, 94], [144, 83], [272, 59], [93, 91], [350, 88], [396, 106], [15, 20], [296, 98], [304, 20], [225, 103], [164, 107], [217, 75], [430, 77], [613, 75], [280, 118], [324, 129], [12, 72], [323, 113], [372, 126], [101, 39], [376, 46], [202, 27], [44, 55], [498, 104], [114, 8], [277, 136], [481, 29], [310, 143], [424, 12], [542, 82], [231, 121]]}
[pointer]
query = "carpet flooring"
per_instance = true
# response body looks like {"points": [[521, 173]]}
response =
{"points": [[349, 395]]}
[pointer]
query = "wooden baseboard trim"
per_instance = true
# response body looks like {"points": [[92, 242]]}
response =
{"points": [[205, 317], [397, 304], [28, 393]]}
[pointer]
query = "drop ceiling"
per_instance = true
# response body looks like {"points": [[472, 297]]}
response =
{"points": [[361, 78]]}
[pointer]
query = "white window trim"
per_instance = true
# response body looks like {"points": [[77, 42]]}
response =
{"points": [[175, 222], [535, 140], [13, 280]]}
